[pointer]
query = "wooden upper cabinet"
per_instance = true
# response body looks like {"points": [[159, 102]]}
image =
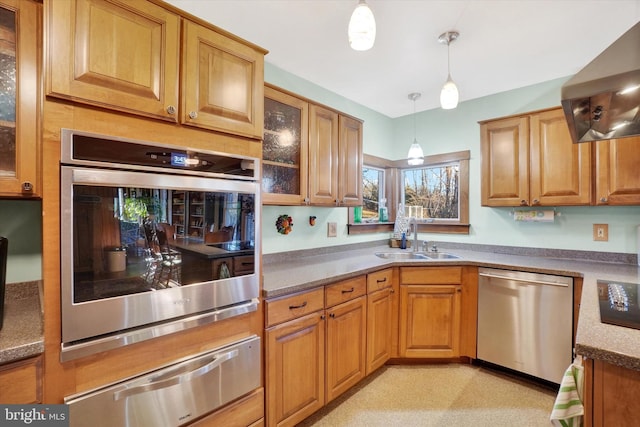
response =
{"points": [[560, 171], [127, 56], [505, 162], [285, 148], [350, 162], [20, 38], [617, 176], [530, 160], [222, 82], [122, 55], [323, 156]]}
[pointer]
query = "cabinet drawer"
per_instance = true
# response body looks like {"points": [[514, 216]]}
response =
{"points": [[431, 275], [21, 381], [379, 280], [294, 306], [345, 290], [243, 264]]}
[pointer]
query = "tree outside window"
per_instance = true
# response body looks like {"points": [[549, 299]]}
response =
{"points": [[434, 189]]}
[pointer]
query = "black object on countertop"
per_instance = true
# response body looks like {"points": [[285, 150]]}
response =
{"points": [[4, 245]]}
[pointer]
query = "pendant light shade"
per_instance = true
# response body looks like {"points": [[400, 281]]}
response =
{"points": [[362, 27], [449, 94], [416, 155]]}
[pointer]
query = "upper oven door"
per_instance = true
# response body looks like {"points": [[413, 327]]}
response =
{"points": [[139, 247]]}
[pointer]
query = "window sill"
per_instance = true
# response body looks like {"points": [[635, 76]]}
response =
{"points": [[381, 227]]}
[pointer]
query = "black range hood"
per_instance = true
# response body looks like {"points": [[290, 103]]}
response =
{"points": [[602, 101]]}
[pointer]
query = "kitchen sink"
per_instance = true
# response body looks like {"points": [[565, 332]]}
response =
{"points": [[402, 255], [416, 255], [441, 255]]}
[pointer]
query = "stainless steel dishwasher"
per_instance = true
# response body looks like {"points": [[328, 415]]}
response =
{"points": [[525, 322]]}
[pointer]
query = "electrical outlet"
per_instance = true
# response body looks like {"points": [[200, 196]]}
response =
{"points": [[601, 232], [332, 229]]}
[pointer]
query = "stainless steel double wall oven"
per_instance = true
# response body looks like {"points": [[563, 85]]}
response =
{"points": [[154, 239]]}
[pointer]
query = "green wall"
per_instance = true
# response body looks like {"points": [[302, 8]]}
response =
{"points": [[21, 224], [439, 131]]}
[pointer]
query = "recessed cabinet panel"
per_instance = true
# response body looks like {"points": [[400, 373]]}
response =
{"points": [[505, 162], [323, 156], [110, 54], [351, 158], [617, 176], [222, 83], [560, 169]]}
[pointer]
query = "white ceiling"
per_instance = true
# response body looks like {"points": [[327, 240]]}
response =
{"points": [[503, 44]]}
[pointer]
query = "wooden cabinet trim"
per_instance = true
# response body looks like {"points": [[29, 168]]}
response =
{"points": [[430, 275], [245, 411]]}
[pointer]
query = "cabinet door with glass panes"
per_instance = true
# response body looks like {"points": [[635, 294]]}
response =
{"points": [[285, 148], [19, 68]]}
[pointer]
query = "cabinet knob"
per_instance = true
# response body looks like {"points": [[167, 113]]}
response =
{"points": [[523, 202], [392, 291], [27, 187], [193, 115], [332, 315], [603, 200], [322, 317], [536, 202], [306, 201], [171, 109]]}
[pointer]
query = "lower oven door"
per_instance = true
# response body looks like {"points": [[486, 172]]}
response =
{"points": [[174, 395]]}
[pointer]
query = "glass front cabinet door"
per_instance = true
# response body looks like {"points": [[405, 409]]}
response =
{"points": [[19, 87], [285, 148]]}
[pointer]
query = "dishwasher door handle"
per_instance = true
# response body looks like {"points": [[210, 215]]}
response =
{"points": [[530, 281]]}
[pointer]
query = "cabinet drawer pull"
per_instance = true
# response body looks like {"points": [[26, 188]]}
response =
{"points": [[293, 307], [348, 291], [332, 315], [381, 280], [247, 263]]}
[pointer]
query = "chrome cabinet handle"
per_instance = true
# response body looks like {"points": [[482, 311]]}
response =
{"points": [[178, 377], [171, 110]]}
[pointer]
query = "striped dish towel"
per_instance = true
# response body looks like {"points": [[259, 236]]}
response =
{"points": [[568, 410]]}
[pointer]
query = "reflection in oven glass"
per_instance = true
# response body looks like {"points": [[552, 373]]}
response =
{"points": [[135, 240]]}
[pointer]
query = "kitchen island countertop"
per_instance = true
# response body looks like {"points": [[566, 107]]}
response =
{"points": [[614, 344]]}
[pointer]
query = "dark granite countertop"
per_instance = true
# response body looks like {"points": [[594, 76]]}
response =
{"points": [[22, 334], [614, 344]]}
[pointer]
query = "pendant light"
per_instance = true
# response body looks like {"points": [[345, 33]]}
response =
{"points": [[449, 94], [416, 155], [362, 27]]}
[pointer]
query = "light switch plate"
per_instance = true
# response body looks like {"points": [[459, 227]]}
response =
{"points": [[601, 232], [332, 229]]}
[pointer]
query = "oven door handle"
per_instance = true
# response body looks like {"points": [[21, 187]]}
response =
{"points": [[176, 376]]}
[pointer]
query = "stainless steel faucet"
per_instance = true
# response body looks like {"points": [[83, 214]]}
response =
{"points": [[414, 221]]}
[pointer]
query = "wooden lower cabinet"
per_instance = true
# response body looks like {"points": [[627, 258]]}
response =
{"points": [[430, 324], [246, 411], [346, 346], [295, 369], [21, 381], [381, 318], [431, 312], [611, 395]]}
